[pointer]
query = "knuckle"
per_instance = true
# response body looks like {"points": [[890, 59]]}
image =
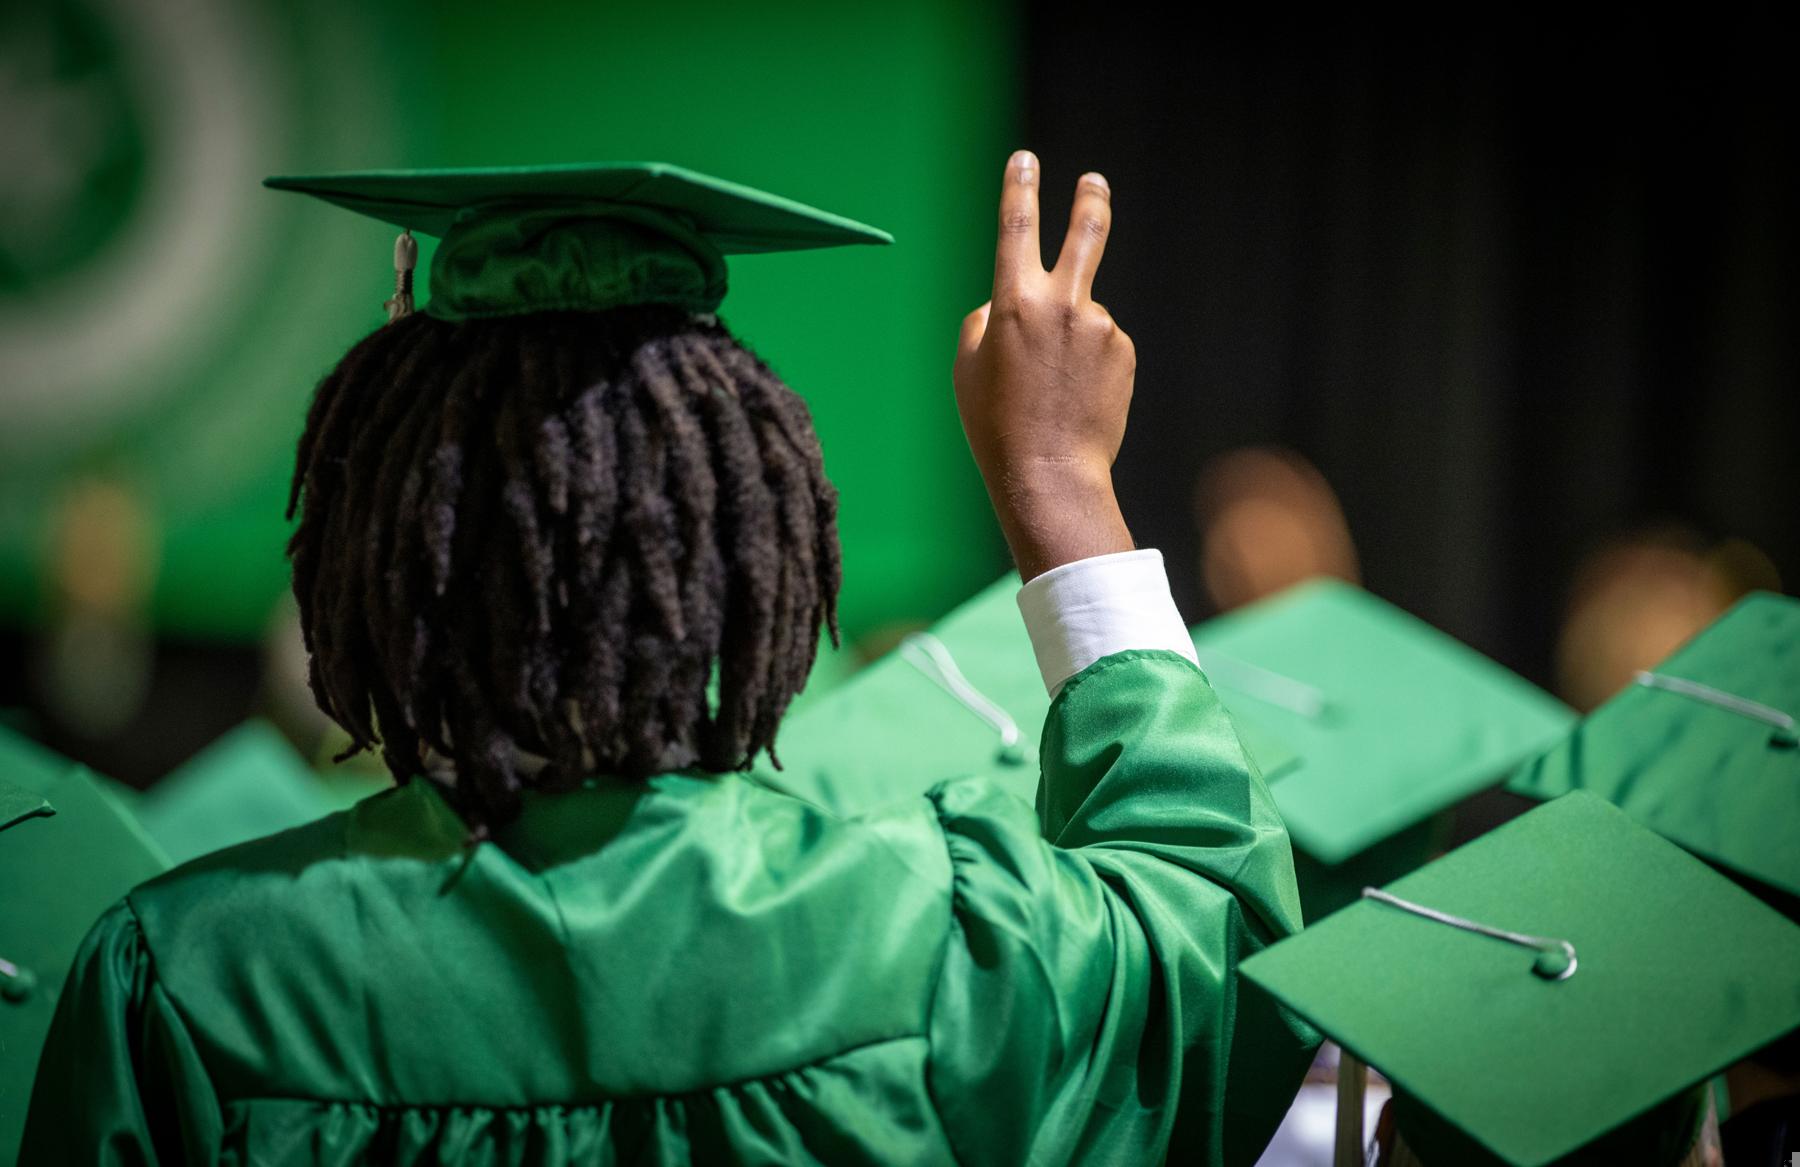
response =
{"points": [[1012, 307], [1093, 226], [1016, 222]]}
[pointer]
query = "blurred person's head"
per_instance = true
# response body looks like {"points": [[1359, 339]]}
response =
{"points": [[1268, 519], [560, 544], [94, 660], [286, 699], [1637, 598]]}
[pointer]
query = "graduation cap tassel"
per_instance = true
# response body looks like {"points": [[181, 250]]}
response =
{"points": [[1556, 958], [930, 656], [406, 258], [1265, 685], [1730, 702]]}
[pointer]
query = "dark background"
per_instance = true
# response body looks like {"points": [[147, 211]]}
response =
{"points": [[1513, 289]]}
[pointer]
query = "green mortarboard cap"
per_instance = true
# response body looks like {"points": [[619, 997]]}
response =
{"points": [[248, 783], [32, 767], [1678, 972], [28, 765], [603, 235], [832, 666], [18, 804], [1701, 750], [61, 871], [933, 710], [1392, 719], [26, 768], [893, 730]]}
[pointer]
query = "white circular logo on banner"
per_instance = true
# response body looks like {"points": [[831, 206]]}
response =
{"points": [[132, 134]]}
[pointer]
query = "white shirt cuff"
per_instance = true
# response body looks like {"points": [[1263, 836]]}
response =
{"points": [[1092, 608]]}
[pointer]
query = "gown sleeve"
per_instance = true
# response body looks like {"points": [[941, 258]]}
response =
{"points": [[113, 1083], [1089, 1006]]}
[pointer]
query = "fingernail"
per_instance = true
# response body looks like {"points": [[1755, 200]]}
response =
{"points": [[1098, 180], [1027, 164]]}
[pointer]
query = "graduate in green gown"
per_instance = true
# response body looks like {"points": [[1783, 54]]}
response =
{"points": [[564, 554]]}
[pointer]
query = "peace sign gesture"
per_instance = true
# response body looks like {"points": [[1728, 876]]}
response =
{"points": [[1043, 381]]}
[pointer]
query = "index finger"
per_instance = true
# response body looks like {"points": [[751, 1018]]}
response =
{"points": [[1016, 255]]}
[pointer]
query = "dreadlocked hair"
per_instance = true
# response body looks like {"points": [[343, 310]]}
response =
{"points": [[552, 535]]}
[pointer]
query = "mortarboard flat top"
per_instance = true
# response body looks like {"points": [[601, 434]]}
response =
{"points": [[248, 783], [1679, 973], [591, 236], [737, 219], [1724, 785], [18, 804], [892, 731], [1411, 721], [28, 765], [61, 871]]}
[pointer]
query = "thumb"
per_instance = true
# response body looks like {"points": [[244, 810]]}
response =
{"points": [[974, 327]]}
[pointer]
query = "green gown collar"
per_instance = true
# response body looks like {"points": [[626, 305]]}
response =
{"points": [[416, 820]]}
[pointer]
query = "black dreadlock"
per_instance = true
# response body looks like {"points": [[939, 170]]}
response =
{"points": [[542, 533]]}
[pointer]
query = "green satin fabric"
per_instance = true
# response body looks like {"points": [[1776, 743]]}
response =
{"points": [[704, 970], [577, 257]]}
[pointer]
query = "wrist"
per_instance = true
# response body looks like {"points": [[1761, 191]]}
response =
{"points": [[1057, 512], [1057, 475]]}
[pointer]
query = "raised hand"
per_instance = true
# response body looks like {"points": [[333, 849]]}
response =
{"points": [[1043, 382]]}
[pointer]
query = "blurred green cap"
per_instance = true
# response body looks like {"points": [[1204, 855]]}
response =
{"points": [[893, 730], [248, 783], [1392, 720], [937, 708], [1702, 749], [63, 868], [18, 804]]}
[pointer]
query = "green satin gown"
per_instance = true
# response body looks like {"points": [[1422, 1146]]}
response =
{"points": [[703, 970]]}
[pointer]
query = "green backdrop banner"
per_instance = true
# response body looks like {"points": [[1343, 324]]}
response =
{"points": [[163, 319]]}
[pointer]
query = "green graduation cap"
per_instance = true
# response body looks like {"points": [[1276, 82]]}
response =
{"points": [[28, 765], [603, 235], [248, 783], [962, 700], [1393, 722], [62, 869], [1701, 749], [1613, 975], [18, 804]]}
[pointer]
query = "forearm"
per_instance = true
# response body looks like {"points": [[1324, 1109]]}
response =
{"points": [[1055, 513]]}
